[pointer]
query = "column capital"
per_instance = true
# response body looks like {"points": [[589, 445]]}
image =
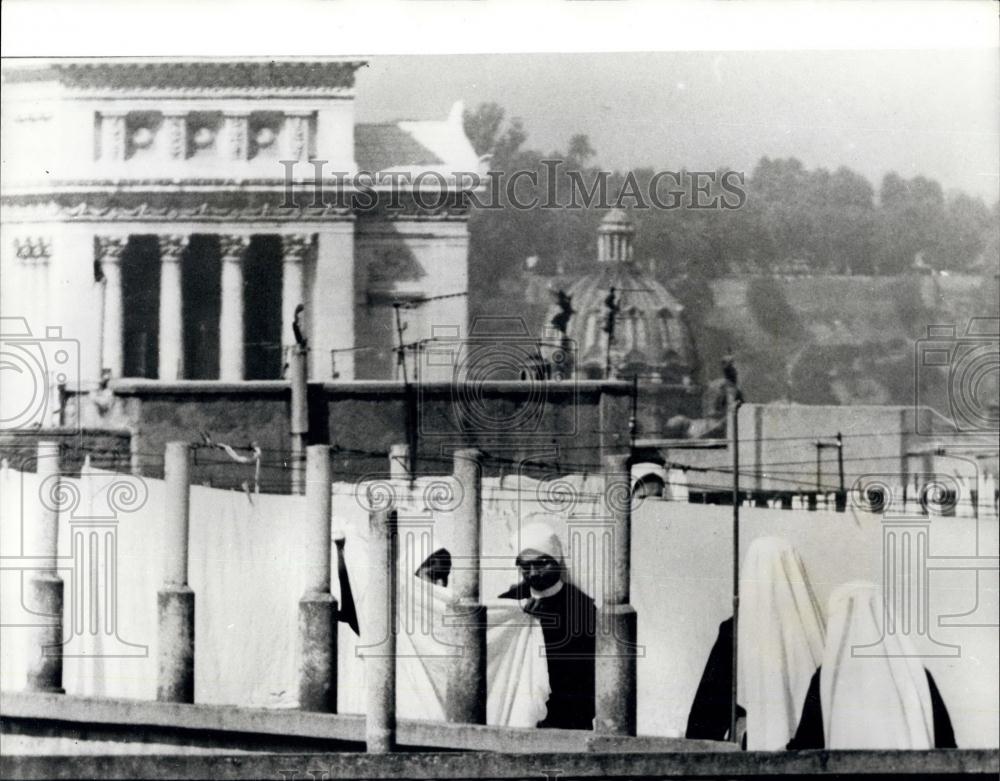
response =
{"points": [[172, 246], [295, 246], [110, 248], [233, 246], [33, 248]]}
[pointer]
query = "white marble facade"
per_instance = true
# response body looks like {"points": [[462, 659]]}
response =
{"points": [[184, 165]]}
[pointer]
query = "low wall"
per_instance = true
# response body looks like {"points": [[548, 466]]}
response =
{"points": [[167, 740], [570, 423], [107, 448], [891, 444]]}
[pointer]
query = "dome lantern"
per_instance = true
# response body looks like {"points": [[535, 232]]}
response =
{"points": [[614, 238]]}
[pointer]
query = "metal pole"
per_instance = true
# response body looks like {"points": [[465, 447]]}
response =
{"points": [[297, 376], [733, 407], [842, 493]]}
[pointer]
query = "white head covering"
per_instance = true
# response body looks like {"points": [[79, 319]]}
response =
{"points": [[538, 536], [780, 641], [875, 697]]}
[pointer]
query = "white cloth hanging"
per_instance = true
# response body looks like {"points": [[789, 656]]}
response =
{"points": [[780, 641], [873, 687]]}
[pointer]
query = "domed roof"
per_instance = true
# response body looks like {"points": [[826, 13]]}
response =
{"points": [[651, 339], [650, 336]]}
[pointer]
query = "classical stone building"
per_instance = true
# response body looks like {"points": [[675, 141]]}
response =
{"points": [[163, 215]]}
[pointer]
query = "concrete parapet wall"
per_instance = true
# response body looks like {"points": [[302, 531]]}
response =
{"points": [[226, 727], [466, 765], [565, 422]]}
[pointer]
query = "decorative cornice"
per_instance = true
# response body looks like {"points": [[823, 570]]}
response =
{"points": [[193, 209], [195, 77]]}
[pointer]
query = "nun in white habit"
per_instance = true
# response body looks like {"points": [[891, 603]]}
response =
{"points": [[568, 619], [780, 645], [871, 692]]}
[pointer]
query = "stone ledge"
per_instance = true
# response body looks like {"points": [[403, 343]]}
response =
{"points": [[882, 764], [29, 711], [142, 387]]}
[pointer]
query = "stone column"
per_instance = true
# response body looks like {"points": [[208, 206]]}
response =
{"points": [[465, 702], [232, 248], [109, 256], [44, 595], [381, 626], [113, 140], [175, 600], [236, 129], [171, 313], [294, 249], [317, 608], [615, 667]]}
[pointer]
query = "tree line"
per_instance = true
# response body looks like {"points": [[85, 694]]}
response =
{"points": [[794, 220]]}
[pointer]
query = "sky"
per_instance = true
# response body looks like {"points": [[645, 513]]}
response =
{"points": [[916, 112]]}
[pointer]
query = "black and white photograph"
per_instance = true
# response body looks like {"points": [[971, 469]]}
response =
{"points": [[484, 390]]}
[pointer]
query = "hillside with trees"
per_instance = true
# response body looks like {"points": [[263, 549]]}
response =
{"points": [[795, 223]]}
